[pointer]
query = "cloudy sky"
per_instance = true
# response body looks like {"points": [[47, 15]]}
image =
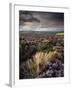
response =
{"points": [[41, 21]]}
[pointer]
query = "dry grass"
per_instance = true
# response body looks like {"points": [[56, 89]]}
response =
{"points": [[42, 58]]}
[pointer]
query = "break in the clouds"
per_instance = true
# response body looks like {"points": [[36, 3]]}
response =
{"points": [[41, 21]]}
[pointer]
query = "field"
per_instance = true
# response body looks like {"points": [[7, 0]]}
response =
{"points": [[41, 54]]}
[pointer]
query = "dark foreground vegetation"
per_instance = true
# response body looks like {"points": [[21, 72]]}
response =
{"points": [[41, 55]]}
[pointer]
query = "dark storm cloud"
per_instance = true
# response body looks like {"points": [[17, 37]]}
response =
{"points": [[33, 19], [51, 15], [26, 16]]}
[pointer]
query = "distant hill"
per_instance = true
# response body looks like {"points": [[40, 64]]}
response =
{"points": [[40, 33]]}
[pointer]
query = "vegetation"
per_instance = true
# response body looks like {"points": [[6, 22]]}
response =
{"points": [[41, 55], [60, 34]]}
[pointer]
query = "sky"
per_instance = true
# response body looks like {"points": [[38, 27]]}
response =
{"points": [[41, 21]]}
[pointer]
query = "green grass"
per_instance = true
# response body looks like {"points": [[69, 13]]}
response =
{"points": [[60, 33]]}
